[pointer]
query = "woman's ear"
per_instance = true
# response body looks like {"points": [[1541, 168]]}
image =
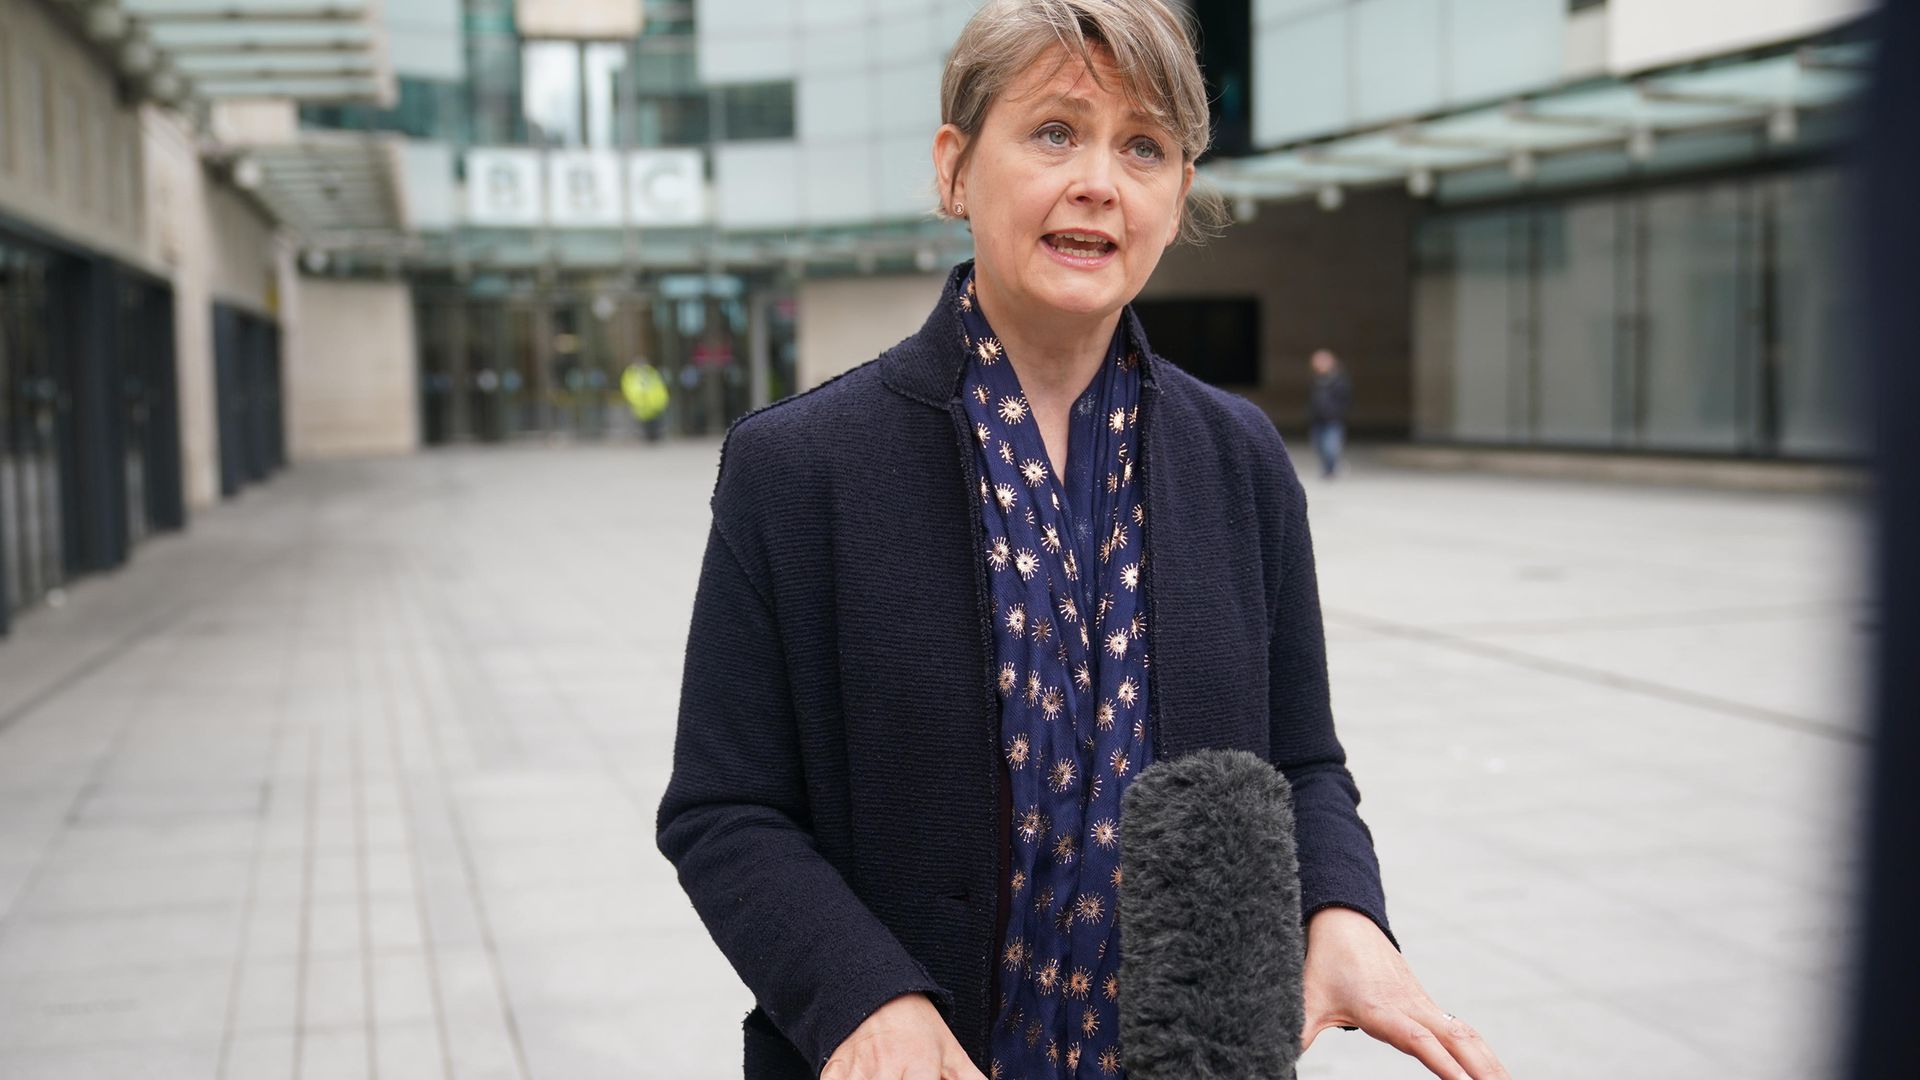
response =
{"points": [[948, 143], [1180, 205]]}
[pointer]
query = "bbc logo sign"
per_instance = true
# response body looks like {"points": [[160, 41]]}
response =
{"points": [[585, 189]]}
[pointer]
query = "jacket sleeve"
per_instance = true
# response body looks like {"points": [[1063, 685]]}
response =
{"points": [[734, 822], [1338, 867]]}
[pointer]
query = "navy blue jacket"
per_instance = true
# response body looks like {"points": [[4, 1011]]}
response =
{"points": [[835, 810]]}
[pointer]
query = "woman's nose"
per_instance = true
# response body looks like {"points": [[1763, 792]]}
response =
{"points": [[1093, 182]]}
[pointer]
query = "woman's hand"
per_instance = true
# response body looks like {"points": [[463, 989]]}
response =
{"points": [[1356, 978], [905, 1039]]}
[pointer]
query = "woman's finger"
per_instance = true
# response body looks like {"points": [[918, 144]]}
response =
{"points": [[1405, 1033], [1464, 1043]]}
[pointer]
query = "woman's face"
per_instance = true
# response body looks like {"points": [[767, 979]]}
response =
{"points": [[1072, 194]]}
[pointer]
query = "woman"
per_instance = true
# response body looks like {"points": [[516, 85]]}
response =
{"points": [[956, 598]]}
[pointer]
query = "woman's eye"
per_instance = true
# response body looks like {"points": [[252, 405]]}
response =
{"points": [[1147, 149], [1054, 136]]}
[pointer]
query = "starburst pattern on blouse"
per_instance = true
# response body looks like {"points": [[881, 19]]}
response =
{"points": [[1111, 987], [983, 433], [1052, 701], [1100, 609], [1126, 473], [982, 395], [1139, 731], [989, 351], [1071, 565], [1073, 1057], [1089, 908], [1017, 752], [1128, 691], [1119, 762], [1007, 495], [1017, 618], [1050, 538], [1063, 774], [999, 553], [1069, 610], [1139, 514], [1103, 715], [1006, 451], [1082, 674], [1019, 880], [1013, 408], [1034, 472], [984, 494], [1033, 1033], [1015, 955], [1032, 825], [1117, 644], [1009, 678], [1109, 1061], [1027, 563], [1137, 626], [993, 1069], [1033, 688], [1106, 833], [1043, 901], [1130, 576], [1079, 983], [1064, 849], [1053, 1051], [1089, 1023], [1093, 781], [1117, 876], [1113, 482], [1120, 538], [1116, 422], [1047, 978], [1042, 630]]}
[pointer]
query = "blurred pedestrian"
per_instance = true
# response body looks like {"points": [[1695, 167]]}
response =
{"points": [[917, 677], [1327, 403], [646, 393]]}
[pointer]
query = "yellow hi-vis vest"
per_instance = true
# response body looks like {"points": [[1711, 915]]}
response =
{"points": [[645, 391]]}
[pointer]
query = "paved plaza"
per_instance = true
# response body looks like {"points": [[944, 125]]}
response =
{"points": [[357, 778]]}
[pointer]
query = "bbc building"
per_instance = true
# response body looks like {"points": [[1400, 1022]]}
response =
{"points": [[1603, 227]]}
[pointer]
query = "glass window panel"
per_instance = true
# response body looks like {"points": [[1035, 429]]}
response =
{"points": [[1576, 261], [605, 68], [1700, 280], [550, 93], [1484, 316], [1815, 318]]}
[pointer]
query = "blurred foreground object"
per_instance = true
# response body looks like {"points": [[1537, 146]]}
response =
{"points": [[1210, 922], [1887, 997]]}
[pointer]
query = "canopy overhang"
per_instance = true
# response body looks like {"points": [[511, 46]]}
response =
{"points": [[1770, 92]]}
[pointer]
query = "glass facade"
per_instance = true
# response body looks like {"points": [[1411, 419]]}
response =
{"points": [[504, 358], [1700, 317]]}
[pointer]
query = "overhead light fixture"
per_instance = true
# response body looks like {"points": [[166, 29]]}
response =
{"points": [[1640, 144], [925, 259], [314, 260], [1783, 125], [1420, 182], [166, 86], [137, 56], [1521, 165], [247, 173], [1331, 197], [1245, 208], [106, 22]]}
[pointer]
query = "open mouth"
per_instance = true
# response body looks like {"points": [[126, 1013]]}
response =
{"points": [[1080, 245]]}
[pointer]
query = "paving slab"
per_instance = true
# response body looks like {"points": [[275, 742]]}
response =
{"points": [[356, 778]]}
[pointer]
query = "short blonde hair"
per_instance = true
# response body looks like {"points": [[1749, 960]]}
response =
{"points": [[1150, 44]]}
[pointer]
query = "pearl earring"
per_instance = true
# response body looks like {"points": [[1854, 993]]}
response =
{"points": [[959, 210]]}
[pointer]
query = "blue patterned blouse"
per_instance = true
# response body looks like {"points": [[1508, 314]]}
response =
{"points": [[1070, 639]]}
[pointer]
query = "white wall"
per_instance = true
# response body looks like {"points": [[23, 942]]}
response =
{"points": [[70, 151], [866, 79], [1653, 33], [350, 385], [841, 323], [213, 244], [1326, 66]]}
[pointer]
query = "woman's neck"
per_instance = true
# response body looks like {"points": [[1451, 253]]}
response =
{"points": [[1056, 356]]}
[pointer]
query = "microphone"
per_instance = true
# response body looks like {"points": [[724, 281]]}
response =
{"points": [[1212, 947]]}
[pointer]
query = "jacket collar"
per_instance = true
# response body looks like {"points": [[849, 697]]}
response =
{"points": [[928, 366]]}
